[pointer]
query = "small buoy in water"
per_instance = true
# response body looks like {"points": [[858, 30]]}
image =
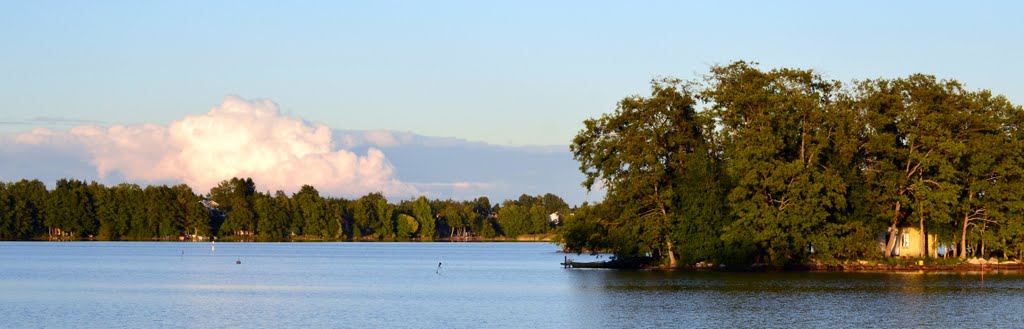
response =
{"points": [[239, 261]]}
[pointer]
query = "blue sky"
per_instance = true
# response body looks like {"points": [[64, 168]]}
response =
{"points": [[513, 73], [509, 73]]}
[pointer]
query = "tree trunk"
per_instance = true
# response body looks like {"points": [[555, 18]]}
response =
{"points": [[892, 231], [667, 237], [803, 146], [982, 254], [671, 253], [953, 244], [963, 238], [924, 237], [891, 244]]}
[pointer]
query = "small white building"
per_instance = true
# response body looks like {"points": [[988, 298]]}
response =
{"points": [[209, 204], [555, 218]]}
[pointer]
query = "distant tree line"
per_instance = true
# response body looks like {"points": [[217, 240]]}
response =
{"points": [[235, 210], [783, 166]]}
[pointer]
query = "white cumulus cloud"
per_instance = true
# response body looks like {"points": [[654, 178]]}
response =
{"points": [[238, 138]]}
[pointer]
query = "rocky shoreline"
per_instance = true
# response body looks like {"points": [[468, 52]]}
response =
{"points": [[914, 268], [970, 265]]}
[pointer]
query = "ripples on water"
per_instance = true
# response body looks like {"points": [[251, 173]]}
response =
{"points": [[814, 300], [507, 285]]}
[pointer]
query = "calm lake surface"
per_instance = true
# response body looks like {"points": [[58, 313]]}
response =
{"points": [[479, 285]]}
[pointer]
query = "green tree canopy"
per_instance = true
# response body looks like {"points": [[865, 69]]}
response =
{"points": [[637, 153]]}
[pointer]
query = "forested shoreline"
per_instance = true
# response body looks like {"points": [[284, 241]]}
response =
{"points": [[740, 166], [235, 210], [781, 167]]}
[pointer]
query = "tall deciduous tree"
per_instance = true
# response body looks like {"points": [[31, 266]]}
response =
{"points": [[385, 215], [779, 140], [514, 219], [911, 142], [195, 217], [312, 209], [273, 216], [373, 216], [637, 153], [425, 216], [235, 198], [459, 217], [988, 171], [71, 210], [26, 201]]}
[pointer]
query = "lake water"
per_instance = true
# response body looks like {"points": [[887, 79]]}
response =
{"points": [[479, 285]]}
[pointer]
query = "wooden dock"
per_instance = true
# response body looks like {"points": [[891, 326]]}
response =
{"points": [[569, 263]]}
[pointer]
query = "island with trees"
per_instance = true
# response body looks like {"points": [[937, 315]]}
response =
{"points": [[783, 167]]}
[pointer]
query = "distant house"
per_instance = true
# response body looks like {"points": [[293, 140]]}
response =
{"points": [[209, 204], [908, 243], [555, 218]]}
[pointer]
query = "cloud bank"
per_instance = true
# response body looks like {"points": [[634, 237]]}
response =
{"points": [[251, 138], [238, 138], [446, 167]]}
